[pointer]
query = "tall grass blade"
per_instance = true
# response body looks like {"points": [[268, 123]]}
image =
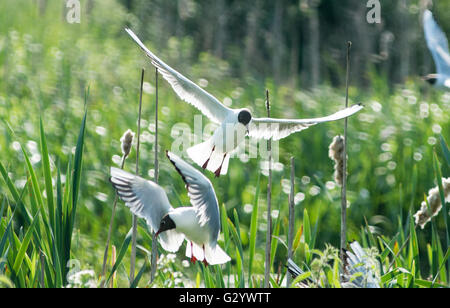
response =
{"points": [[438, 176], [71, 208], [445, 150], [139, 276], [47, 175], [441, 267], [274, 242], [253, 231], [237, 240], [306, 227], [122, 251], [267, 262], [291, 217], [24, 245], [5, 237], [77, 166], [298, 236]]}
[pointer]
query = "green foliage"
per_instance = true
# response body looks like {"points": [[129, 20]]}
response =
{"points": [[55, 199], [39, 257]]}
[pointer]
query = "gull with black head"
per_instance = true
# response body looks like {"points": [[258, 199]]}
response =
{"points": [[199, 224], [234, 124]]}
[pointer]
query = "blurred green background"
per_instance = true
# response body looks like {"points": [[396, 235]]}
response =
{"points": [[296, 49]]}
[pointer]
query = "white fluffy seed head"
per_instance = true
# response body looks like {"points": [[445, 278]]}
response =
{"points": [[126, 141], [424, 215], [336, 153]]}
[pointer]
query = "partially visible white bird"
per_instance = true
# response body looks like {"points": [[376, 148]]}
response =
{"points": [[438, 46], [359, 272], [235, 124], [199, 223], [360, 269]]}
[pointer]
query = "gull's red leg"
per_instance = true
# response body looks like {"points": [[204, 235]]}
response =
{"points": [[217, 173], [204, 256], [207, 161], [193, 259]]}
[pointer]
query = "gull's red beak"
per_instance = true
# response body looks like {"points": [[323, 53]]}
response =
{"points": [[157, 233]]}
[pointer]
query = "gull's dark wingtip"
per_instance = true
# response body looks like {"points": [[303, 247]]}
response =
{"points": [[176, 167]]}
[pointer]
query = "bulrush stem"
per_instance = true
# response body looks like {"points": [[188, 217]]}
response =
{"points": [[291, 217], [269, 205], [134, 234], [154, 240], [344, 167], [111, 222], [113, 262]]}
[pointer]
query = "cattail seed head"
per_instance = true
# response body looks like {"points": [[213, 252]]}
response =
{"points": [[336, 153], [126, 141], [425, 214]]}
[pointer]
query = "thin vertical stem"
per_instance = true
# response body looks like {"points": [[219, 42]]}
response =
{"points": [[113, 262], [291, 217], [344, 171], [154, 240], [108, 238], [134, 234], [269, 205]]}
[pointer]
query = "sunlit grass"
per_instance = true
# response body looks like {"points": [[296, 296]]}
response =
{"points": [[55, 205]]}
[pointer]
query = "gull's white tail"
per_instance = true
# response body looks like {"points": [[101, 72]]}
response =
{"points": [[207, 156], [216, 255]]}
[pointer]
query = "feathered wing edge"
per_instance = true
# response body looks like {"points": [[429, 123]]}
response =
{"points": [[126, 185], [272, 128], [437, 43], [187, 90]]}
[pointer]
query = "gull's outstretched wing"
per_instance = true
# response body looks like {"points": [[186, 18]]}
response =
{"points": [[276, 129], [202, 195], [186, 89], [147, 200], [360, 269], [437, 43]]}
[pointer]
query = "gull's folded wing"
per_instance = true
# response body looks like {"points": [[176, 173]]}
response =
{"points": [[201, 193]]}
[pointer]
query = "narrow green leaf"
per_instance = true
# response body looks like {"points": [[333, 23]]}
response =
{"points": [[47, 175], [224, 218], [139, 276], [5, 236], [274, 242], [297, 238], [392, 274], [300, 278], [438, 175], [306, 227], [444, 259], [273, 283], [445, 150], [253, 230], [240, 256], [15, 193], [122, 251], [77, 170], [429, 284], [24, 245]]}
